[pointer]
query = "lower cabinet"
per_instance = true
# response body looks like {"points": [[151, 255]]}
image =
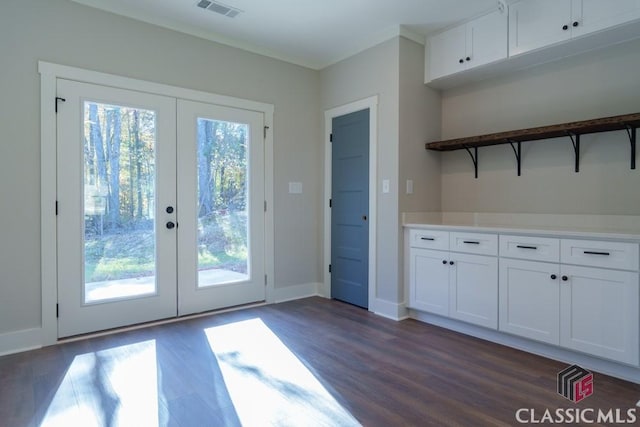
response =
{"points": [[599, 312], [460, 286], [582, 295], [530, 299], [592, 310]]}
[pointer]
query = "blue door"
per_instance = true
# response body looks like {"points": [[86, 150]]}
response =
{"points": [[350, 208]]}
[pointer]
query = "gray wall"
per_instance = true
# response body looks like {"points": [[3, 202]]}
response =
{"points": [[63, 32], [419, 122], [408, 116], [375, 72], [597, 84]]}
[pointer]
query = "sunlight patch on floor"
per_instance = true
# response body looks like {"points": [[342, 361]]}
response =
{"points": [[267, 383], [112, 387]]}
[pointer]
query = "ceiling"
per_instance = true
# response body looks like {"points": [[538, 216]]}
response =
{"points": [[310, 33]]}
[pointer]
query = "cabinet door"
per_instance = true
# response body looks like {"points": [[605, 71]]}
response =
{"points": [[487, 39], [530, 299], [429, 281], [447, 51], [599, 312], [592, 15], [473, 294], [535, 24]]}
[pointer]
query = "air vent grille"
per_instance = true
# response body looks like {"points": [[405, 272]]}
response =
{"points": [[219, 8]]}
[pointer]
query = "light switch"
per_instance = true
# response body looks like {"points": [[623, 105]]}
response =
{"points": [[295, 188], [409, 186], [385, 185]]}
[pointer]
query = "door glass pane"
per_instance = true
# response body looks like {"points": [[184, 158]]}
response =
{"points": [[222, 202], [119, 193]]}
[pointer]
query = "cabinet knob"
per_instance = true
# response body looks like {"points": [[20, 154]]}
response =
{"points": [[565, 27], [451, 262], [461, 61], [170, 225], [575, 23], [169, 209], [444, 261], [565, 278], [554, 277], [468, 58]]}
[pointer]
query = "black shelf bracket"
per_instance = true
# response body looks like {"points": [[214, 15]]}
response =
{"points": [[575, 140], [518, 153], [631, 131], [474, 158]]}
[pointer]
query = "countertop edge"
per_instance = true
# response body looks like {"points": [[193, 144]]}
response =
{"points": [[522, 230]]}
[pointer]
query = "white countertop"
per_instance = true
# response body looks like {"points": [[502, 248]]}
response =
{"points": [[581, 226]]}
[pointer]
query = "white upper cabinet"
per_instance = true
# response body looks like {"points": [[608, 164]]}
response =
{"points": [[594, 15], [534, 24], [540, 23], [475, 43]]}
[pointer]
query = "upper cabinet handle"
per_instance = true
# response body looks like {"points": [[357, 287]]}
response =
{"points": [[597, 253]]}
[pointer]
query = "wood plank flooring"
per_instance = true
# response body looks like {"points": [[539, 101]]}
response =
{"points": [[358, 368]]}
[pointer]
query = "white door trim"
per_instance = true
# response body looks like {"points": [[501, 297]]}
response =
{"points": [[49, 73], [372, 104]]}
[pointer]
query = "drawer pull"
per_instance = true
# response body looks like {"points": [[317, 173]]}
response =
{"points": [[597, 253], [527, 247], [427, 238], [471, 242]]}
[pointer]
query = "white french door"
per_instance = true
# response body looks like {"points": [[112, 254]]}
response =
{"points": [[157, 203], [221, 214]]}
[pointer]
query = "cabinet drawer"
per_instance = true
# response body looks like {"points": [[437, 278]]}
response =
{"points": [[429, 239], [530, 248], [474, 243], [596, 253]]}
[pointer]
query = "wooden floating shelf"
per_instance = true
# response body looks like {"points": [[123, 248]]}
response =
{"points": [[573, 130], [606, 124]]}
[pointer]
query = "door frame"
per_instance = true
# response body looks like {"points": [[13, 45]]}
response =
{"points": [[370, 103], [49, 73]]}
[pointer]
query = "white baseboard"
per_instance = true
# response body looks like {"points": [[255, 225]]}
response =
{"points": [[388, 309], [618, 370], [18, 341], [290, 293]]}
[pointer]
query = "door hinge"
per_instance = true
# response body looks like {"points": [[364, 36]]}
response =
{"points": [[265, 205], [266, 128], [330, 203], [265, 280], [56, 208], [59, 99], [329, 268], [57, 311], [330, 137]]}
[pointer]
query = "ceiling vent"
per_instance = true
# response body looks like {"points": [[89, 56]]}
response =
{"points": [[217, 7]]}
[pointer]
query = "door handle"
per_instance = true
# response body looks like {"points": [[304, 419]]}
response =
{"points": [[170, 225], [364, 217]]}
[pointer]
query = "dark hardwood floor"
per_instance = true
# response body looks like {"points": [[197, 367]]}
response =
{"points": [[306, 362]]}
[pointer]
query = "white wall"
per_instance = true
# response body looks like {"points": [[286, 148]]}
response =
{"points": [[64, 32], [596, 84]]}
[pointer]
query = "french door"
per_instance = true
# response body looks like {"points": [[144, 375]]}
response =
{"points": [[158, 207]]}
